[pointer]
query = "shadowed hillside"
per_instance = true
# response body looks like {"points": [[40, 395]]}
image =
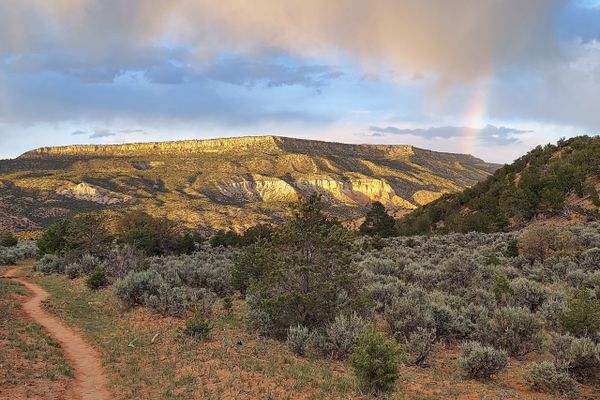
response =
{"points": [[217, 183]]}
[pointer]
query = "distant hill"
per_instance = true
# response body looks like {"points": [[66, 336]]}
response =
{"points": [[223, 183], [557, 182]]}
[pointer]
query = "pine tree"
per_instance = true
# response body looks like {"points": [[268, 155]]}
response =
{"points": [[378, 222]]}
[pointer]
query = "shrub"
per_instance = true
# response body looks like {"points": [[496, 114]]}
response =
{"points": [[409, 313], [552, 309], [197, 327], [73, 270], [207, 269], [202, 300], [22, 250], [384, 292], [590, 259], [7, 257], [545, 377], [528, 293], [513, 329], [584, 358], [502, 289], [341, 335], [97, 279], [174, 301], [374, 360], [580, 356], [539, 241], [124, 259], [49, 264], [150, 289], [420, 344], [137, 287], [297, 339], [583, 316], [7, 239], [480, 361], [512, 249], [89, 263]]}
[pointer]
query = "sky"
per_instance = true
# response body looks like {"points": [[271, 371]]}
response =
{"points": [[486, 77]]}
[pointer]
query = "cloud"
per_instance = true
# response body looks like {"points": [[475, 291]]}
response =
{"points": [[489, 134], [244, 71], [105, 133], [458, 39], [102, 133]]}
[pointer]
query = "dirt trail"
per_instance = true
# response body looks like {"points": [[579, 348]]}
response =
{"points": [[90, 381]]}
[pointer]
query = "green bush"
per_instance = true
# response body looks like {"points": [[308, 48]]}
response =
{"points": [[7, 239], [153, 235], [512, 249], [545, 377], [225, 239], [252, 264], [374, 360], [54, 239], [298, 338], [583, 317], [502, 290], [97, 279], [480, 361], [197, 327]]}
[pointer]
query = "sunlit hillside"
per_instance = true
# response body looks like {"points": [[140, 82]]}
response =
{"points": [[226, 183]]}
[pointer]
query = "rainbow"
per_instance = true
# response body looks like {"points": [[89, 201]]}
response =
{"points": [[475, 114]]}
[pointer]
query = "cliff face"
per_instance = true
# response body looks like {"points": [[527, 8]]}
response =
{"points": [[236, 182]]}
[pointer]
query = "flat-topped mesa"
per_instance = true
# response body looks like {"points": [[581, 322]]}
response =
{"points": [[239, 144], [265, 144]]}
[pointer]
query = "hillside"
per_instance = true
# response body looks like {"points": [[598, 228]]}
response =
{"points": [[557, 182], [223, 183]]}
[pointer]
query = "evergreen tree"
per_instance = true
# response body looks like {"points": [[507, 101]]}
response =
{"points": [[306, 277], [378, 222]]}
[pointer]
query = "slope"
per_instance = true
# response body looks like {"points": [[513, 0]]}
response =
{"points": [[559, 182]]}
